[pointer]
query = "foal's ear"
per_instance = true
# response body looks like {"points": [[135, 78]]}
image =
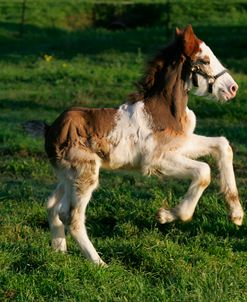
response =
{"points": [[190, 42], [178, 32]]}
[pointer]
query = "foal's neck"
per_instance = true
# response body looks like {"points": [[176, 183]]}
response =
{"points": [[167, 106]]}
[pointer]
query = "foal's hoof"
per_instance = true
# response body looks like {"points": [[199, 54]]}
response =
{"points": [[59, 245], [101, 263], [163, 216], [237, 215], [98, 261]]}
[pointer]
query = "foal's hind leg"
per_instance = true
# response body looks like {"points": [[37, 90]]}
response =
{"points": [[58, 240], [83, 186], [221, 150]]}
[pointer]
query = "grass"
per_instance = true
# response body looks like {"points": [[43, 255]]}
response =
{"points": [[203, 260]]}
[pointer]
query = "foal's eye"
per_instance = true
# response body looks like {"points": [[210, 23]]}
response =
{"points": [[204, 62]]}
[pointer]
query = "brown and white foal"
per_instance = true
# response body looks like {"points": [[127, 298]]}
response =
{"points": [[151, 132]]}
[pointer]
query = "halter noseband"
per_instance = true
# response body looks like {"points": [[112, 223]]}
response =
{"points": [[197, 69]]}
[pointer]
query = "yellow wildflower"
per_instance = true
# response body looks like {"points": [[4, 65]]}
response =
{"points": [[48, 58]]}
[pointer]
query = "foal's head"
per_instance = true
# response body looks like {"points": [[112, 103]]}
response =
{"points": [[207, 75]]}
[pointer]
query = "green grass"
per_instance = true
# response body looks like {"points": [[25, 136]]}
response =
{"points": [[203, 260]]}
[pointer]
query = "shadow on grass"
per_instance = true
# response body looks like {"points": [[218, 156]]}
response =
{"points": [[94, 41], [211, 225], [31, 105], [68, 44]]}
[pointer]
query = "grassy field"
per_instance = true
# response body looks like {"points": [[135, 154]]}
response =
{"points": [[48, 70]]}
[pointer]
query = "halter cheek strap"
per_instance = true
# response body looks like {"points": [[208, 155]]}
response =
{"points": [[196, 69]]}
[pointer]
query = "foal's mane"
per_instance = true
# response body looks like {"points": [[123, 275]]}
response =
{"points": [[150, 82], [185, 44]]}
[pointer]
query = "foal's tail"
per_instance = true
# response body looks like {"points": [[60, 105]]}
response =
{"points": [[36, 128]]}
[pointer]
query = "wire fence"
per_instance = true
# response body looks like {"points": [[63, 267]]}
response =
{"points": [[79, 14]]}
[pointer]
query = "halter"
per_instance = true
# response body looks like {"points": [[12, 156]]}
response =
{"points": [[197, 69]]}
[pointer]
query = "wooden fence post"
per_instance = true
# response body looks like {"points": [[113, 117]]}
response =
{"points": [[23, 11]]}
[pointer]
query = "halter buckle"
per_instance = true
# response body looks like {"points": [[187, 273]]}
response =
{"points": [[195, 68], [211, 80]]}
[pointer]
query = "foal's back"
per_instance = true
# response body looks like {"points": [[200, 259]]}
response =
{"points": [[82, 129]]}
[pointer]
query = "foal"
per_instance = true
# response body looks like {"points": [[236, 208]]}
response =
{"points": [[151, 132]]}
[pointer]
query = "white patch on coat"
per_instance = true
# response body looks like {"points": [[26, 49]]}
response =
{"points": [[191, 121], [131, 138]]}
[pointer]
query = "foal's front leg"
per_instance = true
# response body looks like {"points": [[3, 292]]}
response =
{"points": [[222, 152], [180, 166]]}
